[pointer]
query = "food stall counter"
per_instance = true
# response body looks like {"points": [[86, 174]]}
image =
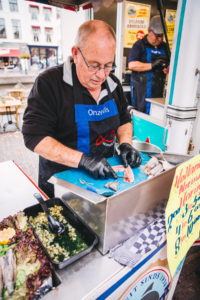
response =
{"points": [[94, 276]]}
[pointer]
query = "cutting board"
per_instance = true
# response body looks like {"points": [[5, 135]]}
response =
{"points": [[98, 185]]}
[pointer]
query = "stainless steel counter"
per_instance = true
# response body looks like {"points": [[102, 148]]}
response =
{"points": [[93, 276], [113, 218], [82, 276]]}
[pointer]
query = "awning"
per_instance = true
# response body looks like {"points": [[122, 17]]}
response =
{"points": [[9, 52], [75, 5], [36, 6]]}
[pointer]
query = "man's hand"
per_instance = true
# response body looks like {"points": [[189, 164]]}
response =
{"points": [[97, 167], [130, 156], [159, 63]]}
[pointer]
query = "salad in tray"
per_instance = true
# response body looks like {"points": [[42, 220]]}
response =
{"points": [[59, 247], [25, 271]]}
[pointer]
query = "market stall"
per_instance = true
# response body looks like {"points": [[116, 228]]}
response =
{"points": [[95, 275], [106, 273], [112, 216]]}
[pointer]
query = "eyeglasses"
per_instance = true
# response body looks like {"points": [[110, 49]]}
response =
{"points": [[93, 68]]}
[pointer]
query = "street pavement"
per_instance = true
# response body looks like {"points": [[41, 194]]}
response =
{"points": [[12, 148], [12, 77]]}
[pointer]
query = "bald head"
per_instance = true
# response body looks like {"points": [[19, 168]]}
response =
{"points": [[95, 47], [94, 28]]}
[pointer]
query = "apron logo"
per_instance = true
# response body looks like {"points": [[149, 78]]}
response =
{"points": [[92, 112], [156, 52], [109, 138]]}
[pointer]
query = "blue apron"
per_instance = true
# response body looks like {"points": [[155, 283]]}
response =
{"points": [[96, 131], [148, 84], [97, 124], [155, 78]]}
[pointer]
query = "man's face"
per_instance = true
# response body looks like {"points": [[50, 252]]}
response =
{"points": [[97, 51], [154, 39]]}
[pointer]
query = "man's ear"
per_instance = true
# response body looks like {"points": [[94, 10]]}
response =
{"points": [[74, 53]]}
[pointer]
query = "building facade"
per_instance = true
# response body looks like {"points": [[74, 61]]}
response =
{"points": [[29, 28]]}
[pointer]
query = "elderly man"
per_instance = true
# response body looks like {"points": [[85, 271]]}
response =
{"points": [[77, 110], [149, 65]]}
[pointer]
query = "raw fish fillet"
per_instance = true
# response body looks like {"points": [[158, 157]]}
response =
{"points": [[128, 173], [112, 185], [119, 168]]}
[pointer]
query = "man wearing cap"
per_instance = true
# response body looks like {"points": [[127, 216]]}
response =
{"points": [[149, 65]]}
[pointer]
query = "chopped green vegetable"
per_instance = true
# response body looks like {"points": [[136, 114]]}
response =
{"points": [[5, 248], [63, 246], [23, 270]]}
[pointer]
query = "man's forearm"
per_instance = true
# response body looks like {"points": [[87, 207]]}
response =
{"points": [[125, 133], [53, 150], [139, 66]]}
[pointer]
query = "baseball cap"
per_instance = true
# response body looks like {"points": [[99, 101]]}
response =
{"points": [[156, 25]]}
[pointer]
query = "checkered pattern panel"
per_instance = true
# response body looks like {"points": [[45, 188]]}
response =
{"points": [[149, 230]]}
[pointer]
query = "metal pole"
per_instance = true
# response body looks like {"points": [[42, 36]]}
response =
{"points": [[160, 7]]}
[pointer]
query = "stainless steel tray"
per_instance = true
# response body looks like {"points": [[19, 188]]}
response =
{"points": [[146, 148], [173, 158], [85, 232]]}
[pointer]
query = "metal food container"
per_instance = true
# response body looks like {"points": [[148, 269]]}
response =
{"points": [[173, 158], [143, 147], [84, 231], [112, 217]]}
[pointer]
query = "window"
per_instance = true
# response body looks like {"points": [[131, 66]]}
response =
{"points": [[2, 29], [34, 12], [48, 33], [36, 31], [13, 5], [47, 13], [16, 29], [35, 58], [52, 58]]}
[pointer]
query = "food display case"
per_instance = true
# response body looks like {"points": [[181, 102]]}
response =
{"points": [[112, 217]]}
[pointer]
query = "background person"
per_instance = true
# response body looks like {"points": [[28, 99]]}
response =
{"points": [[149, 65], [76, 110]]}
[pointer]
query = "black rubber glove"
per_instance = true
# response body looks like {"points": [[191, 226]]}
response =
{"points": [[97, 167], [130, 156], [159, 63]]}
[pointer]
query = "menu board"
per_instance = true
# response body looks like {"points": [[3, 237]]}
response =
{"points": [[182, 215], [136, 22]]}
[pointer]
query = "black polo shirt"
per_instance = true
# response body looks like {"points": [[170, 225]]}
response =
{"points": [[50, 111]]}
